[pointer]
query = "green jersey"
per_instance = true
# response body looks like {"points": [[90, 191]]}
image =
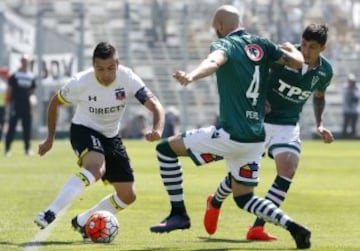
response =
{"points": [[290, 88], [242, 84]]}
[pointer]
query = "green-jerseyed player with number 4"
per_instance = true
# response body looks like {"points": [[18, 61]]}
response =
{"points": [[241, 62], [288, 91]]}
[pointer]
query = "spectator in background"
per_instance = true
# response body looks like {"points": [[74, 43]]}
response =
{"points": [[4, 75], [137, 127], [159, 19], [21, 86], [171, 122], [351, 97]]}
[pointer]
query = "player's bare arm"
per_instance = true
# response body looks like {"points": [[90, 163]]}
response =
{"points": [[52, 117], [207, 67], [292, 57], [319, 106], [153, 105]]}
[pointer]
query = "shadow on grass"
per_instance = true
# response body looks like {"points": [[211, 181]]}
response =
{"points": [[216, 240], [49, 243]]}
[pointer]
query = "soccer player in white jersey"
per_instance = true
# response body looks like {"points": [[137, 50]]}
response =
{"points": [[100, 95]]}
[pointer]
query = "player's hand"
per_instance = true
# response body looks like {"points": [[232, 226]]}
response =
{"points": [[325, 134], [152, 136], [287, 46], [45, 146], [182, 78]]}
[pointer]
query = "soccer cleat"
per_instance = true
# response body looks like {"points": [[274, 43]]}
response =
{"points": [[211, 216], [172, 223], [301, 236], [80, 229], [258, 234], [44, 219]]}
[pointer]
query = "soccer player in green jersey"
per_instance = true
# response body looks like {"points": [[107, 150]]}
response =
{"points": [[288, 91], [241, 63]]}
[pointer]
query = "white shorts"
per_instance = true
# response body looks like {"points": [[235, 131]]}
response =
{"points": [[209, 144], [282, 138]]}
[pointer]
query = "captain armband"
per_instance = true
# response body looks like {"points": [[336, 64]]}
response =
{"points": [[143, 94]]}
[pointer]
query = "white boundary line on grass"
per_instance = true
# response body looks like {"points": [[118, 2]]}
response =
{"points": [[44, 233]]}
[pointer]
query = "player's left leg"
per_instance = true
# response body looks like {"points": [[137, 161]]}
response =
{"points": [[2, 120], [26, 121], [214, 203], [119, 173], [265, 209], [113, 203], [286, 165]]}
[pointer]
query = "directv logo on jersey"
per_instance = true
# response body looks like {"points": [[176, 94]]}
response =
{"points": [[120, 94]]}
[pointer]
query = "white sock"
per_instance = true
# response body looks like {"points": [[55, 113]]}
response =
{"points": [[75, 185], [110, 203]]}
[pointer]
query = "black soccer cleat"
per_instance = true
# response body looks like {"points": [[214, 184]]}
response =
{"points": [[172, 223], [301, 236], [44, 219], [75, 225]]}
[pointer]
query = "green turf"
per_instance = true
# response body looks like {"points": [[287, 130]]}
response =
{"points": [[325, 196]]}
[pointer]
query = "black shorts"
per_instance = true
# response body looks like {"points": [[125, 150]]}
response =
{"points": [[118, 165]]}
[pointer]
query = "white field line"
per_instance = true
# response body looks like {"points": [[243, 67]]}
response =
{"points": [[35, 243]]}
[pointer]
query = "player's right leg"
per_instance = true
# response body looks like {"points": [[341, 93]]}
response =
{"points": [[87, 143], [10, 134], [74, 186], [172, 177]]}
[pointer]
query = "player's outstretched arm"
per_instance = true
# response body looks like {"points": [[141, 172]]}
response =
{"points": [[207, 67], [52, 117]]}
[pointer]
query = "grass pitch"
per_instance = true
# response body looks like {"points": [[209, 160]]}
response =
{"points": [[324, 196]]}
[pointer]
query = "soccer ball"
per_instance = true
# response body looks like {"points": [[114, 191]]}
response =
{"points": [[102, 227]]}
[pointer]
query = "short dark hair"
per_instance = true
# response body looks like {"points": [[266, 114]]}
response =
{"points": [[316, 32], [104, 50]]}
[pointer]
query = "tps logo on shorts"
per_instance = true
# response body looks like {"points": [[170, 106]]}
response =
{"points": [[254, 52], [249, 171], [120, 94], [209, 157]]}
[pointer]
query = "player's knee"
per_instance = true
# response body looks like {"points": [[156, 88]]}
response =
{"points": [[127, 197], [164, 148], [243, 199], [95, 163]]}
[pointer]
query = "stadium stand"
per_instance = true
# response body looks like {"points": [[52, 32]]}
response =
{"points": [[155, 47]]}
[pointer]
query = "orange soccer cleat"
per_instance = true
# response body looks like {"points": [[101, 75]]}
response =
{"points": [[258, 234], [211, 216]]}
